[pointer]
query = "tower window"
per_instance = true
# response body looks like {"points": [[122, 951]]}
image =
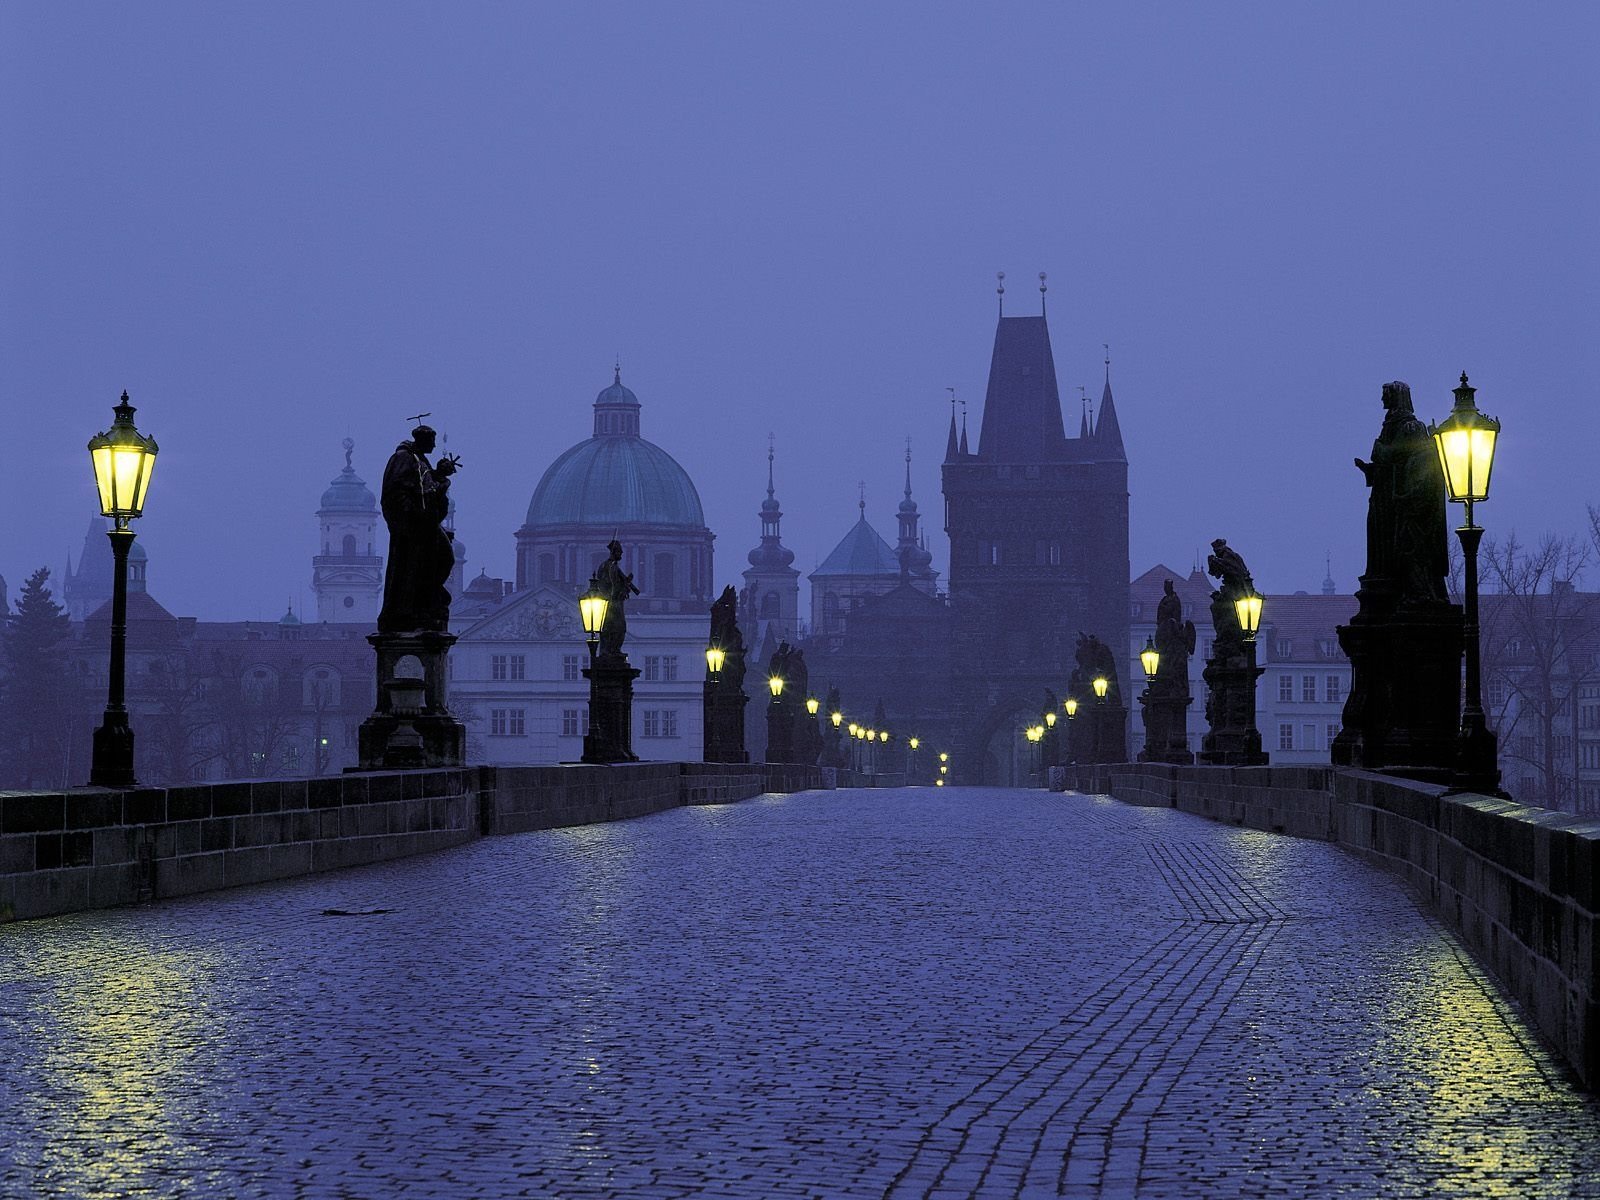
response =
{"points": [[349, 545], [547, 568], [988, 554], [349, 601], [665, 584]]}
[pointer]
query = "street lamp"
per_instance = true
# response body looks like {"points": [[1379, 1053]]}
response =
{"points": [[837, 718], [1050, 718], [775, 683], [914, 743], [812, 704], [123, 459], [943, 757], [1101, 686], [592, 607], [1150, 659], [1248, 609], [1071, 705], [1466, 444], [715, 657], [883, 735]]}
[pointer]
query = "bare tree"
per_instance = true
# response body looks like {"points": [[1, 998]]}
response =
{"points": [[181, 736], [1539, 633], [256, 712]]}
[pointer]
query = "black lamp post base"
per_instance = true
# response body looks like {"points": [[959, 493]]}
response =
{"points": [[723, 713], [1477, 761], [610, 736], [1166, 733], [113, 754]]}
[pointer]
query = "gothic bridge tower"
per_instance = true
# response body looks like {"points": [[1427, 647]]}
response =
{"points": [[1038, 527]]}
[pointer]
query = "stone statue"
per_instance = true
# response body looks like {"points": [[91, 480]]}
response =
{"points": [[778, 664], [616, 585], [1225, 564], [1175, 641], [798, 676], [1095, 660], [1407, 535], [415, 502], [725, 632]]}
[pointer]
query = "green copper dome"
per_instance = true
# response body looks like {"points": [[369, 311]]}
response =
{"points": [[349, 491], [616, 477]]}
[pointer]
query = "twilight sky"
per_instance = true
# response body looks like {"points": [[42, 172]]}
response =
{"points": [[281, 224]]}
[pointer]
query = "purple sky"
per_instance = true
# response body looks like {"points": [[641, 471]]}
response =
{"points": [[280, 224]]}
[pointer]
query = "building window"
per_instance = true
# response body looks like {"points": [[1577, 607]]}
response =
{"points": [[518, 723], [1047, 554], [988, 554], [1308, 688], [669, 667], [547, 568], [1285, 689], [1308, 737], [669, 722], [1333, 732], [497, 722], [660, 722], [1497, 693], [652, 668], [497, 666], [1285, 737], [1334, 689], [569, 667], [349, 545], [519, 666], [569, 722], [664, 582], [652, 722], [1283, 648], [769, 606]]}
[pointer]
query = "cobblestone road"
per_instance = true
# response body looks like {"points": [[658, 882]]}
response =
{"points": [[886, 994]]}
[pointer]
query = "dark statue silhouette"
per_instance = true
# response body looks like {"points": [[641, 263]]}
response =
{"points": [[616, 585], [415, 503], [726, 634], [1407, 538]]}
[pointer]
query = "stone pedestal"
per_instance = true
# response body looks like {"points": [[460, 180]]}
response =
{"points": [[1166, 728], [1233, 739], [723, 713], [1106, 728], [411, 725], [780, 731], [1403, 714], [610, 736]]}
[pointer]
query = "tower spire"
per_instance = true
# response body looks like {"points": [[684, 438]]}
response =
{"points": [[1000, 290], [771, 441], [964, 450], [952, 447], [908, 468], [1042, 290]]}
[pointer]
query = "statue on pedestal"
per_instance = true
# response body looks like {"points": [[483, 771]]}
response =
{"points": [[415, 502], [616, 585], [1231, 672], [1166, 699], [724, 689]]}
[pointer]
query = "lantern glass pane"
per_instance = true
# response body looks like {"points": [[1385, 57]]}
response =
{"points": [[1455, 456], [103, 479], [1101, 686], [1482, 461], [147, 466]]}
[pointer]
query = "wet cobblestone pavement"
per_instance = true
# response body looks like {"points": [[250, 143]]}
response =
{"points": [[887, 994]]}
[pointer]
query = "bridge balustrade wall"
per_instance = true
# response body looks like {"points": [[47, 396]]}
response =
{"points": [[1520, 885], [95, 848]]}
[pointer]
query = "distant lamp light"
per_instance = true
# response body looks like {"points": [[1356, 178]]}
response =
{"points": [[812, 705], [1050, 718], [943, 757], [1150, 658], [1248, 608], [592, 607], [944, 770], [914, 743], [715, 657], [854, 728], [1101, 686], [938, 783], [775, 683], [837, 718], [1071, 705], [1466, 442], [883, 735]]}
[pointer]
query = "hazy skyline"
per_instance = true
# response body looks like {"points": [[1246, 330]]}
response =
{"points": [[280, 225]]}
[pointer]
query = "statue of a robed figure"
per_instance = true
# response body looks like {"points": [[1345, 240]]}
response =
{"points": [[411, 725], [1166, 698], [610, 736], [1232, 738], [1099, 733], [1405, 642], [724, 687]]}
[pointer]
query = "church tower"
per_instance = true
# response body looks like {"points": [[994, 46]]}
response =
{"points": [[1038, 526], [771, 583], [916, 563], [347, 576]]}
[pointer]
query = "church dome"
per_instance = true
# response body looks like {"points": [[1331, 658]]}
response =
{"points": [[616, 477], [349, 492]]}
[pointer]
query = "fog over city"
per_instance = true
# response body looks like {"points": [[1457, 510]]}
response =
{"points": [[278, 226]]}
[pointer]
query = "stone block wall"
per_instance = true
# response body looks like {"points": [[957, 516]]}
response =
{"points": [[1519, 885], [95, 848]]}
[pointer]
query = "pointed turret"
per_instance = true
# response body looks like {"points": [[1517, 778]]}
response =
{"points": [[915, 561], [1022, 408], [1107, 433], [952, 447], [771, 581]]}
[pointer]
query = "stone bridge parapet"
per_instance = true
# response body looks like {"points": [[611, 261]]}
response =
{"points": [[1519, 885]]}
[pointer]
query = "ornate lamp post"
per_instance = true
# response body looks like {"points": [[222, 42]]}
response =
{"points": [[1101, 685], [592, 607], [780, 724], [1466, 444], [715, 657], [1150, 660], [123, 460]]}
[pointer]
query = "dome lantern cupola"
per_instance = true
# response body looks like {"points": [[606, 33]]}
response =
{"points": [[616, 410]]}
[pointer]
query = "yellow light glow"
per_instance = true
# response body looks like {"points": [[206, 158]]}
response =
{"points": [[812, 705], [715, 657], [123, 460], [883, 736], [592, 608], [1101, 686], [943, 757], [914, 743], [1467, 455], [1071, 705], [1248, 609], [1150, 658], [944, 770], [1050, 719], [836, 718], [854, 729], [938, 783], [776, 684]]}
